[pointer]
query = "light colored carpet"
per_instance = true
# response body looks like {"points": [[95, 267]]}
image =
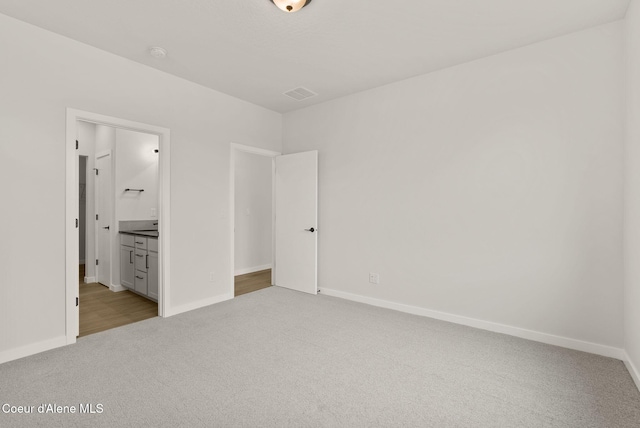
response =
{"points": [[278, 358]]}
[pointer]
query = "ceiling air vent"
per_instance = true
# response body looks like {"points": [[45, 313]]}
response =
{"points": [[300, 94]]}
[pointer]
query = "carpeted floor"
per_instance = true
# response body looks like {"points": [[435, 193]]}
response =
{"points": [[279, 358]]}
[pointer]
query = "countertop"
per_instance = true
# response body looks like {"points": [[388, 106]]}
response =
{"points": [[149, 233]]}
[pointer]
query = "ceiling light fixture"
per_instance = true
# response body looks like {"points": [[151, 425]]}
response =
{"points": [[157, 52], [290, 5]]}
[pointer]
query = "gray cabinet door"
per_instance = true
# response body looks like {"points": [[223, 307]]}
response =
{"points": [[152, 276], [126, 266]]}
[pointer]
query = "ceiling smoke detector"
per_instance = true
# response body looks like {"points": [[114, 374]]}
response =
{"points": [[300, 94], [157, 52], [290, 5]]}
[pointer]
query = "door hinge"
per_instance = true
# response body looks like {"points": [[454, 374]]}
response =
{"points": [[76, 223], [76, 144], [97, 263], [77, 301]]}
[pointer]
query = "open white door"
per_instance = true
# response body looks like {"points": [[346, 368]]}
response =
{"points": [[296, 207], [103, 220]]}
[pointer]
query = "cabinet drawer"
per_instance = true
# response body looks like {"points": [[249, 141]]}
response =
{"points": [[140, 242], [153, 244], [127, 240], [142, 260], [141, 282]]}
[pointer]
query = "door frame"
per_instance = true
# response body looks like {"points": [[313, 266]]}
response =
{"points": [[72, 206], [86, 238], [232, 207], [96, 201]]}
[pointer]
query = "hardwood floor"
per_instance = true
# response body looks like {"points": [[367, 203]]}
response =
{"points": [[252, 282], [101, 309]]}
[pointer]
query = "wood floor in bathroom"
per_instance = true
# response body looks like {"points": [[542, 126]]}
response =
{"points": [[101, 309]]}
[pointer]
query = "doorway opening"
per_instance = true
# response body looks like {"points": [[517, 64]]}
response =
{"points": [[123, 169], [252, 205], [294, 218], [123, 224]]}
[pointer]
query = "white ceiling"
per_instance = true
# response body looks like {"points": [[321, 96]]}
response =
{"points": [[251, 50]]}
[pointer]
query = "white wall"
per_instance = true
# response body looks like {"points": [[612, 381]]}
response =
{"points": [[105, 139], [253, 217], [86, 147], [632, 192], [491, 190], [136, 168], [36, 89]]}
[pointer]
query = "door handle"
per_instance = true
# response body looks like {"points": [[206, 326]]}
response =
{"points": [[146, 262], [311, 230], [106, 227], [130, 257]]}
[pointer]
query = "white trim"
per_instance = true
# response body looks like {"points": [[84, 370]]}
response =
{"points": [[245, 271], [71, 206], [550, 339], [232, 207], [255, 150], [273, 220], [633, 370], [72, 250], [89, 279], [33, 348], [199, 304], [116, 288]]}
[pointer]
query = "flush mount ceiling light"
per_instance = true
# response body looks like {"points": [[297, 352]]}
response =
{"points": [[157, 52], [290, 5]]}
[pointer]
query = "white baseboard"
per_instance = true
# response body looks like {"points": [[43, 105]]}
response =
{"points": [[116, 288], [633, 370], [245, 271], [565, 342], [198, 304], [89, 279], [34, 348]]}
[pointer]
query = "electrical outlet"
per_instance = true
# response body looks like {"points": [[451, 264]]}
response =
{"points": [[374, 278], [212, 276]]}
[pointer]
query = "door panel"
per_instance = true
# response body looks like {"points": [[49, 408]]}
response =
{"points": [[126, 266], [104, 197], [296, 240]]}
